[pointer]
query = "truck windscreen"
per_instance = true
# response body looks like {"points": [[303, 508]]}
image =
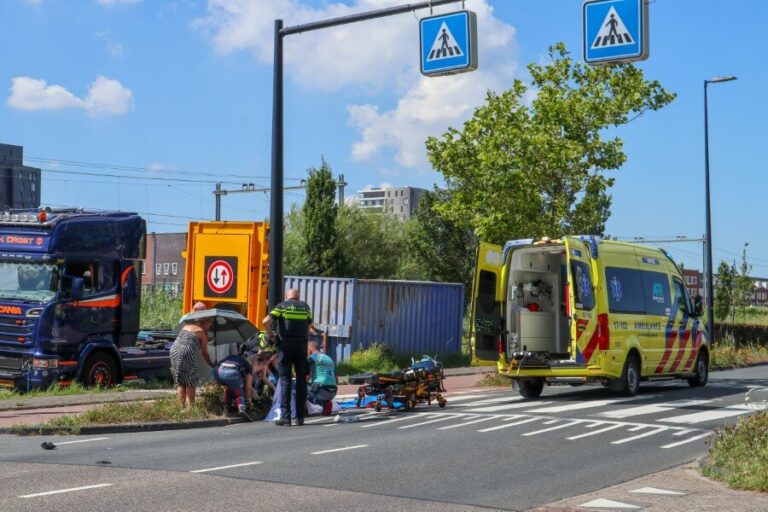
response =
{"points": [[28, 281]]}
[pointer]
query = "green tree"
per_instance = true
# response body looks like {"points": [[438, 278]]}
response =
{"points": [[320, 254], [743, 285], [293, 242], [520, 170], [724, 285], [373, 244], [437, 248]]}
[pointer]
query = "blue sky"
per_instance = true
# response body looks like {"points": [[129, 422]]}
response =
{"points": [[172, 95]]}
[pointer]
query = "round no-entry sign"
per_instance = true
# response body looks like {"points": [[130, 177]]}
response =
{"points": [[219, 276]]}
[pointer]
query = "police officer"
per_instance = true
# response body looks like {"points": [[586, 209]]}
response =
{"points": [[293, 320]]}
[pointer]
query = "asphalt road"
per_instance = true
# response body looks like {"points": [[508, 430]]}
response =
{"points": [[486, 449]]}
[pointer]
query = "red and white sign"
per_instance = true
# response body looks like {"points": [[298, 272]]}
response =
{"points": [[220, 276]]}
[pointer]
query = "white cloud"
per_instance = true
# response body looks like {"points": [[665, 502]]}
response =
{"points": [[110, 3], [377, 55], [105, 96], [158, 167]]}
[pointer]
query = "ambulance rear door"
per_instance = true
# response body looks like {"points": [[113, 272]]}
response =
{"points": [[487, 305], [580, 300]]}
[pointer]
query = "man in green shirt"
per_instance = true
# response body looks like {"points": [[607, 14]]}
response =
{"points": [[322, 378]]}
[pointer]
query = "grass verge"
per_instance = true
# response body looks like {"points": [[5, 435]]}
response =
{"points": [[726, 355], [493, 380], [739, 454], [78, 389]]}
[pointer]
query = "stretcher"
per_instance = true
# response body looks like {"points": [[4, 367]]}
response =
{"points": [[419, 383]]}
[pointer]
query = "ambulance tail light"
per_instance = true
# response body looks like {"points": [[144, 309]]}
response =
{"points": [[602, 331], [502, 346]]}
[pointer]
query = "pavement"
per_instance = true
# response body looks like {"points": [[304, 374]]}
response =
{"points": [[680, 488]]}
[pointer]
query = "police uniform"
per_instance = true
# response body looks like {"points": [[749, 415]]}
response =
{"points": [[292, 318]]}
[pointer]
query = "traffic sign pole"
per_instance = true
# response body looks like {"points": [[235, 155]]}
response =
{"points": [[276, 200]]}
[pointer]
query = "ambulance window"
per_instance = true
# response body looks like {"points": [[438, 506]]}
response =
{"points": [[486, 292], [583, 293], [656, 288], [682, 301], [625, 290]]}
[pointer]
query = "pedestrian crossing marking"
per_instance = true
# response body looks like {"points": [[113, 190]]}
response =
{"points": [[689, 440], [550, 429], [594, 432], [498, 399], [457, 425], [506, 425], [505, 407], [613, 32], [651, 409], [717, 414], [444, 46], [640, 436], [588, 405]]}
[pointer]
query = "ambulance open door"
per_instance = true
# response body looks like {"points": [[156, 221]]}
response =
{"points": [[486, 308], [580, 303]]}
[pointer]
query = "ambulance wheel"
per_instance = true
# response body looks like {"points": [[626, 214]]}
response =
{"points": [[99, 370], [701, 371], [531, 388], [629, 382]]}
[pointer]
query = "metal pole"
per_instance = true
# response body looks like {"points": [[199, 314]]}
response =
{"points": [[275, 290], [708, 235], [217, 193]]}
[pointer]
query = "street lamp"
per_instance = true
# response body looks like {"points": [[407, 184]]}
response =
{"points": [[708, 236]]}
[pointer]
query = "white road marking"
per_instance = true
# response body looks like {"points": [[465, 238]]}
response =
{"points": [[589, 404], [651, 409], [603, 503], [537, 432], [206, 470], [444, 417], [689, 440], [595, 432], [505, 407], [639, 427], [318, 420], [550, 422], [640, 436], [656, 490], [386, 422], [507, 425], [494, 400], [717, 414], [460, 398], [82, 441], [487, 418], [73, 489], [341, 449]]}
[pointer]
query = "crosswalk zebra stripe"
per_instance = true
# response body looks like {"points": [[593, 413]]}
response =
{"points": [[717, 414], [689, 440], [460, 398], [387, 422], [595, 432], [588, 405], [504, 407], [507, 425], [651, 409], [457, 425], [495, 400], [550, 429], [640, 436], [445, 417]]}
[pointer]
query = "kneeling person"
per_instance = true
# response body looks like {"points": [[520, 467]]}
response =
{"points": [[236, 374], [322, 378]]}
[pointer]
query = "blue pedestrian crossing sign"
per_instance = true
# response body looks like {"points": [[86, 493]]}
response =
{"points": [[615, 31], [448, 43]]}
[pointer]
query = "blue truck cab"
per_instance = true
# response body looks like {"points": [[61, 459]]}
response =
{"points": [[70, 298]]}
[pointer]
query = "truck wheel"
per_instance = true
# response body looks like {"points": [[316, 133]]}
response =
{"points": [[531, 388], [701, 370], [99, 370], [629, 382]]}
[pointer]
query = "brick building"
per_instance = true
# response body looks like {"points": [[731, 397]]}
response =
{"points": [[164, 266], [694, 282]]}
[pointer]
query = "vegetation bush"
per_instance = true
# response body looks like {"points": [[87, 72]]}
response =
{"points": [[493, 380], [728, 353], [379, 358], [739, 454], [159, 309], [744, 334]]}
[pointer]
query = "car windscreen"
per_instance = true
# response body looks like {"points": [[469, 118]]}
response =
{"points": [[28, 281]]}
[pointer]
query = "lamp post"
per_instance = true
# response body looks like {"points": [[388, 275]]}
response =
{"points": [[708, 236]]}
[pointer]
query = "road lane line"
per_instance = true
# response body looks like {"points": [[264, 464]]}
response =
{"points": [[594, 432], [689, 440], [550, 429], [589, 405], [551, 422], [386, 422], [486, 418], [640, 436], [637, 428], [505, 407], [717, 414], [206, 470], [506, 425], [82, 441], [495, 400], [443, 418], [340, 449], [684, 431], [460, 398], [73, 489], [595, 424]]}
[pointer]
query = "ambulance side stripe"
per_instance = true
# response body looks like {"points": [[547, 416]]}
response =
{"points": [[684, 334]]}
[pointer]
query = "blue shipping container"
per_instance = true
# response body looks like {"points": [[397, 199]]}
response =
{"points": [[411, 317]]}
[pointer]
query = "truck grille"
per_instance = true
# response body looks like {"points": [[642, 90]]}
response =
{"points": [[11, 331], [10, 363]]}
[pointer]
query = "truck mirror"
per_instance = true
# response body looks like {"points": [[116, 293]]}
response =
{"points": [[76, 292], [698, 306]]}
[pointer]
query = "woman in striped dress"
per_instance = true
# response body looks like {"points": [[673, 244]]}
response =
{"points": [[192, 338]]}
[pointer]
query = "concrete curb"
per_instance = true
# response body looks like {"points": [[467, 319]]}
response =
{"points": [[33, 430], [87, 399]]}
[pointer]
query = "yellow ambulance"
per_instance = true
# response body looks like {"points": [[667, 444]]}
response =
{"points": [[582, 309]]}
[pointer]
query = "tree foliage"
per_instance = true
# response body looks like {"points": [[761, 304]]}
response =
{"points": [[725, 281], [373, 244], [320, 254], [743, 286], [520, 170]]}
